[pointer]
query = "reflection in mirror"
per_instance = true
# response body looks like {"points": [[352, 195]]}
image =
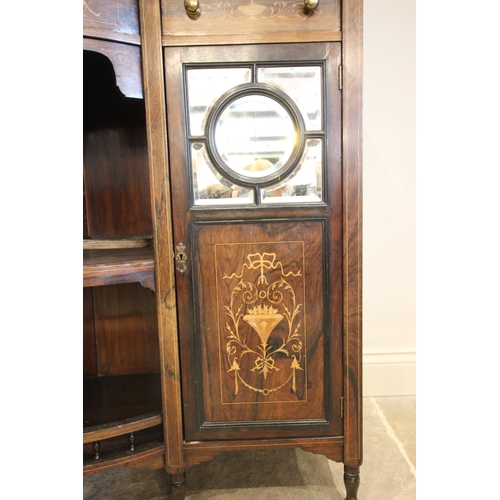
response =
{"points": [[255, 136], [307, 183], [303, 84], [208, 188], [205, 85]]}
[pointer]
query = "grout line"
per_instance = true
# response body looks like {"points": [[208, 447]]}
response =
{"points": [[392, 435]]}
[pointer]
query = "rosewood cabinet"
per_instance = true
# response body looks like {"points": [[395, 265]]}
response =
{"points": [[253, 112], [242, 171]]}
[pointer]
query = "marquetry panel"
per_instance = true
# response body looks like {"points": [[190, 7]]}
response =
{"points": [[111, 19], [261, 322], [250, 21]]}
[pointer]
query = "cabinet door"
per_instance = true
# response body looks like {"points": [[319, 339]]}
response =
{"points": [[255, 164]]}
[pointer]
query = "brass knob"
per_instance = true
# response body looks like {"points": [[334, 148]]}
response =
{"points": [[192, 7], [310, 4]]}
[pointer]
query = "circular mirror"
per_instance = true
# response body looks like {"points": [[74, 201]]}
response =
{"points": [[255, 134]]}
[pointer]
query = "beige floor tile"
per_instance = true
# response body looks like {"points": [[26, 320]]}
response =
{"points": [[385, 473], [400, 413]]}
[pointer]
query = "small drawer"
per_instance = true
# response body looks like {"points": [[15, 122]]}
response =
{"points": [[250, 21]]}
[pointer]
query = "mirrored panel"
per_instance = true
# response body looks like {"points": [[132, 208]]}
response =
{"points": [[306, 183], [255, 136], [303, 84], [204, 86], [256, 143], [208, 187]]}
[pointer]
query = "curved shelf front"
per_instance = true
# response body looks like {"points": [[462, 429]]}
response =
{"points": [[114, 266], [111, 401], [115, 408]]}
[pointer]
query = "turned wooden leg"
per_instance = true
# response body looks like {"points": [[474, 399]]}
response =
{"points": [[178, 486], [351, 481]]}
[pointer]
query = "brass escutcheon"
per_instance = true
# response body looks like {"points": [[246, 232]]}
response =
{"points": [[181, 258]]}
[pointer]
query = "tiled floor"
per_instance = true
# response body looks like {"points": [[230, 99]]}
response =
{"points": [[388, 470]]}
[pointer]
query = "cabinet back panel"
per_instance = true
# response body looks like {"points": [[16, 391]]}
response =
{"points": [[126, 330], [115, 161], [116, 181]]}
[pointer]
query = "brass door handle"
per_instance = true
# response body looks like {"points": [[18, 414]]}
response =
{"points": [[310, 4], [181, 258], [192, 7]]}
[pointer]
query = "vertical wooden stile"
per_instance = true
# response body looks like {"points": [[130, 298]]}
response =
{"points": [[154, 97]]}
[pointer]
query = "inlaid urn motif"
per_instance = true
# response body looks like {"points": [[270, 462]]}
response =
{"points": [[264, 299]]}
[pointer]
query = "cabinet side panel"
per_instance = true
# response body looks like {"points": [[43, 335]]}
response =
{"points": [[352, 18]]}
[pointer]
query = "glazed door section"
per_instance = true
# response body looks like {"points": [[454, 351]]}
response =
{"points": [[254, 139]]}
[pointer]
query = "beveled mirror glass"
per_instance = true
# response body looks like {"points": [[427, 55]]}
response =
{"points": [[255, 136]]}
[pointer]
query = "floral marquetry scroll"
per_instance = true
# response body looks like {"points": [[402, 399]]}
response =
{"points": [[262, 322], [266, 357]]}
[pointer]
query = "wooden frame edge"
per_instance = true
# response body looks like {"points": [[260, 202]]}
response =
{"points": [[352, 29], [154, 97]]}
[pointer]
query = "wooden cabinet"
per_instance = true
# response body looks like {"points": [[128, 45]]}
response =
{"points": [[260, 300], [253, 126], [122, 404], [260, 318]]}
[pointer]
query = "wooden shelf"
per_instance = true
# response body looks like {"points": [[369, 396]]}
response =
{"points": [[114, 407], [149, 454], [120, 401], [112, 266]]}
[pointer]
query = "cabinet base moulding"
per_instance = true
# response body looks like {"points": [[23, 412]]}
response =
{"points": [[196, 452]]}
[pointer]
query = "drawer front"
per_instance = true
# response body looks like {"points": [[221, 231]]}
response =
{"points": [[111, 19], [250, 21]]}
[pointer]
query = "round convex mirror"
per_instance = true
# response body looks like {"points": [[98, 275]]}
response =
{"points": [[255, 134]]}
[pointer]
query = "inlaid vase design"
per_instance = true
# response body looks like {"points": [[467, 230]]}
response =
{"points": [[263, 298]]}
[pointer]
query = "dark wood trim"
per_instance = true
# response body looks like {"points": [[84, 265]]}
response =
{"points": [[115, 243], [189, 40], [201, 451], [154, 97], [352, 19], [113, 36]]}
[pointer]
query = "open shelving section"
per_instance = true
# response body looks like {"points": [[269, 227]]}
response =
{"points": [[122, 397], [121, 410]]}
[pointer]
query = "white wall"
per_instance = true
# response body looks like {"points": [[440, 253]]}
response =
{"points": [[389, 319]]}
